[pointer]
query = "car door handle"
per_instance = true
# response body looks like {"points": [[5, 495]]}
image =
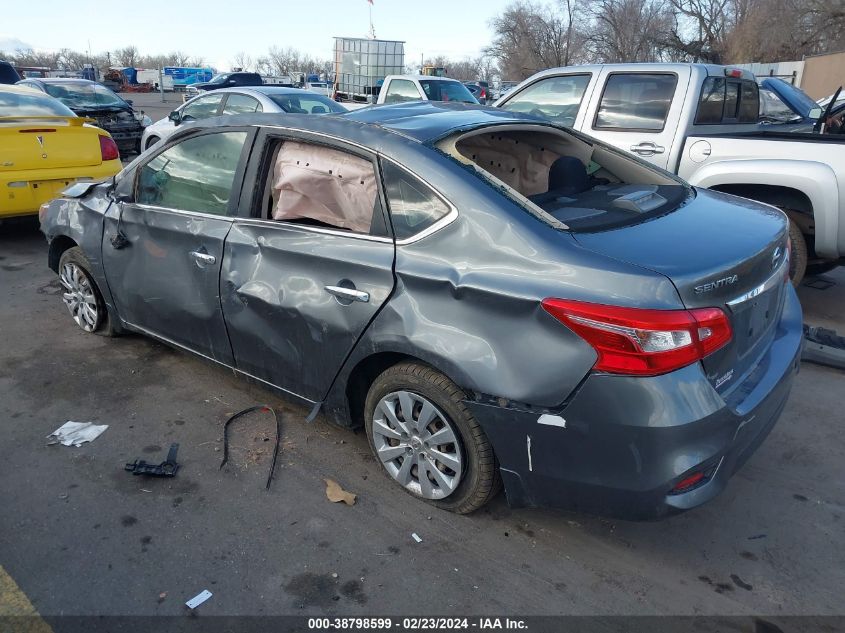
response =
{"points": [[348, 293], [647, 149], [203, 259]]}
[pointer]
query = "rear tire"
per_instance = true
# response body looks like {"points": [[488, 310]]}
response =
{"points": [[798, 258], [466, 447], [82, 296]]}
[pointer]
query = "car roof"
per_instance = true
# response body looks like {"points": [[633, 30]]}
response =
{"points": [[270, 90], [64, 80], [420, 121], [424, 77]]}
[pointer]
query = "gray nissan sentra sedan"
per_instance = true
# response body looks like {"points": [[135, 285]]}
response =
{"points": [[492, 298]]}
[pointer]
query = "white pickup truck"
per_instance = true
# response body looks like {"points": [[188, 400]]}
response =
{"points": [[700, 122]]}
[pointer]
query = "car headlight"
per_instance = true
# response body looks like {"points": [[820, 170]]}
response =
{"points": [[145, 121]]}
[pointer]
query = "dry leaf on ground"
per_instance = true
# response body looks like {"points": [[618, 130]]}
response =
{"points": [[336, 494]]}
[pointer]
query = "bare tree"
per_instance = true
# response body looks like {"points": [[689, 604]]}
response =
{"points": [[244, 61], [127, 56], [529, 37], [628, 30]]}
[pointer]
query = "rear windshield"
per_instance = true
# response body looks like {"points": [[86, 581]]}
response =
{"points": [[582, 185], [35, 104], [725, 100], [447, 91], [79, 96]]}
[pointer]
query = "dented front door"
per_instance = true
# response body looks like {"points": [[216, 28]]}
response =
{"points": [[164, 269]]}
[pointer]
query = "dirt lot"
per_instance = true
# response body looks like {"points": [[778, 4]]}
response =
{"points": [[79, 535]]}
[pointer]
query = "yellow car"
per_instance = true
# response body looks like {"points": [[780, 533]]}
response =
{"points": [[44, 147]]}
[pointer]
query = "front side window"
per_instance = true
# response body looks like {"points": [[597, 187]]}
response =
{"points": [[555, 98], [194, 175], [636, 102], [241, 104], [413, 205], [400, 90], [323, 186], [202, 108]]}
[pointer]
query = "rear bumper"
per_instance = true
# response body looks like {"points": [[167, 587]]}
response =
{"points": [[42, 185], [628, 441]]}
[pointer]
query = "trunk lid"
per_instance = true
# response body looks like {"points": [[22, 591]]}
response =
{"points": [[47, 143], [719, 251]]}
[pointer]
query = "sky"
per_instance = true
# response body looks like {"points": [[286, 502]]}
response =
{"points": [[216, 31]]}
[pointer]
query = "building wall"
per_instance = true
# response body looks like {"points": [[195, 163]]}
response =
{"points": [[823, 74]]}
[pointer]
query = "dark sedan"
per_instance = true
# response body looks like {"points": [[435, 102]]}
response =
{"points": [[90, 99], [490, 297]]}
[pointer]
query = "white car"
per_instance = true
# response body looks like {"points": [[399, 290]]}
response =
{"points": [[240, 101], [402, 88]]}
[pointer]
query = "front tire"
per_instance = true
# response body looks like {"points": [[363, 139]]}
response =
{"points": [[427, 441], [799, 256], [81, 295]]}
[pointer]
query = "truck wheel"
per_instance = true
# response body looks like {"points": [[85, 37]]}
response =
{"points": [[427, 441], [81, 295], [798, 259]]}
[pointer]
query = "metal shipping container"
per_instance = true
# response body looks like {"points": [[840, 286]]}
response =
{"points": [[360, 66]]}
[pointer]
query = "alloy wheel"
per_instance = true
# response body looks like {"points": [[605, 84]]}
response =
{"points": [[79, 297], [417, 444]]}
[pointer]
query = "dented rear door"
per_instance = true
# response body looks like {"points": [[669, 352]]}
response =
{"points": [[296, 294]]}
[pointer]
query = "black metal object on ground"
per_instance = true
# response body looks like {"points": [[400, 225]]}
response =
{"points": [[167, 468], [261, 407], [823, 347]]}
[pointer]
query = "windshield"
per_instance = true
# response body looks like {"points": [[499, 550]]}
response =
{"points": [[556, 98], [447, 91], [219, 79], [773, 109], [16, 104], [306, 103], [79, 96], [798, 97]]}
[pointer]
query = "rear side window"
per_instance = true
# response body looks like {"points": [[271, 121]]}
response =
{"points": [[727, 101], [326, 187], [202, 108], [414, 207], [400, 90], [447, 91], [241, 104], [636, 102], [555, 98], [194, 175]]}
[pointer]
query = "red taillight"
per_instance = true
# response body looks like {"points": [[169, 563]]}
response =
{"points": [[688, 482], [483, 93], [108, 148], [641, 342]]}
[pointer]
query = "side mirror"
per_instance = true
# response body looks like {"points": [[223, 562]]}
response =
{"points": [[815, 113], [129, 101], [175, 116]]}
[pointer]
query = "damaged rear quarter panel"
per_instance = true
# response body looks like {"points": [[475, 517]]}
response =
{"points": [[468, 297]]}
